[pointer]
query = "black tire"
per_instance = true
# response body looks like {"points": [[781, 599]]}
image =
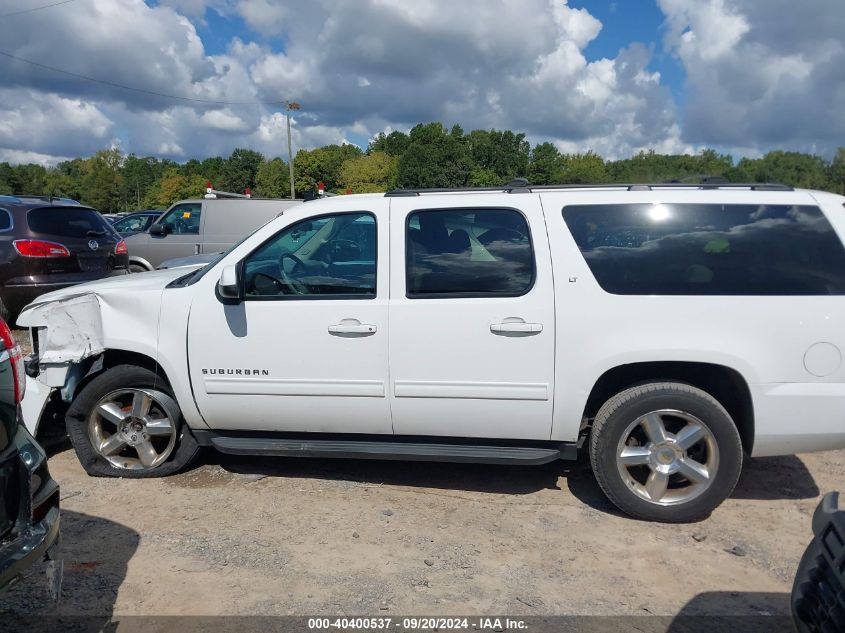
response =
{"points": [[123, 377], [623, 409], [137, 268]]}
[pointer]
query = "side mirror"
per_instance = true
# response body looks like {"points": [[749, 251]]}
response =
{"points": [[160, 230], [228, 287]]}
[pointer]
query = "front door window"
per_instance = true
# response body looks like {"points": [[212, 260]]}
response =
{"points": [[332, 256]]}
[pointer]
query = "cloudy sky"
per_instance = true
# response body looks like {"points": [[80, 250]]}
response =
{"points": [[744, 76]]}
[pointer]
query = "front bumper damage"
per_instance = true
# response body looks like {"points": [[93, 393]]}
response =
{"points": [[75, 333]]}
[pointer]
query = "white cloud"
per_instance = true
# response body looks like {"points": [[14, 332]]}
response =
{"points": [[20, 156], [761, 73], [46, 123], [224, 121]]}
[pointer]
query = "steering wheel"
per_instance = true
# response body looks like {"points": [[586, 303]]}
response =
{"points": [[296, 287]]}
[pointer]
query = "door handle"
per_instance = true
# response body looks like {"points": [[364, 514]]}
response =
{"points": [[352, 327], [514, 326]]}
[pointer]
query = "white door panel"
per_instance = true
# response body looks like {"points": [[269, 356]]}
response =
{"points": [[472, 366], [296, 364]]}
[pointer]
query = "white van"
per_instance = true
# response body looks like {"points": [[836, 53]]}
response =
{"points": [[665, 329], [193, 227]]}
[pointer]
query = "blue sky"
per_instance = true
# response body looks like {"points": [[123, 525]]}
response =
{"points": [[673, 76]]}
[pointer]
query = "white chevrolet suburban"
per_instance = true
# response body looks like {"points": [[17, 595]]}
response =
{"points": [[667, 329]]}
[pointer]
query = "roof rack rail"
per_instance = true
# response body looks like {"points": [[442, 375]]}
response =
{"points": [[45, 197], [520, 185]]}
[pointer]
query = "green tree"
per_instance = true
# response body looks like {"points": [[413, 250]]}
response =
{"points": [[481, 177], [435, 158], [139, 175], [321, 165], [7, 175], [240, 170], [788, 168], [69, 178], [173, 186], [273, 179], [394, 143], [61, 184], [212, 169], [501, 152], [29, 179], [372, 172], [544, 167], [586, 168], [836, 172], [102, 183]]}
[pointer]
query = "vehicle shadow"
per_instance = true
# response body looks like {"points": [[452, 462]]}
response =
{"points": [[765, 478], [95, 554], [487, 478], [731, 611], [771, 478]]}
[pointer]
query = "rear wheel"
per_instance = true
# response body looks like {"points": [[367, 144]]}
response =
{"points": [[137, 268], [665, 452], [126, 423]]}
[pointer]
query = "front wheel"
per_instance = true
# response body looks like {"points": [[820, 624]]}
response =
{"points": [[665, 452], [126, 423]]}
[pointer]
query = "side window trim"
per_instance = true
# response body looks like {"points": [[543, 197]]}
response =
{"points": [[470, 295], [241, 265]]}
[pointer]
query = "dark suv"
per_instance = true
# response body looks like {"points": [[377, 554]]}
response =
{"points": [[49, 243]]}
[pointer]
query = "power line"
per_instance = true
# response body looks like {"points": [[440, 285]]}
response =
{"points": [[134, 89], [46, 6]]}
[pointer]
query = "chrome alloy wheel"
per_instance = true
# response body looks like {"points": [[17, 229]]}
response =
{"points": [[134, 429], [667, 457]]}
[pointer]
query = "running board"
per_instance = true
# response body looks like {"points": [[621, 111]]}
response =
{"points": [[357, 449]]}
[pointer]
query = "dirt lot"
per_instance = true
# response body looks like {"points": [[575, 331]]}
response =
{"points": [[266, 537], [346, 537]]}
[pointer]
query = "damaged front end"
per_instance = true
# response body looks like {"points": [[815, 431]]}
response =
{"points": [[67, 345]]}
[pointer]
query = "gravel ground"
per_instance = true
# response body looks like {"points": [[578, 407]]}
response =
{"points": [[270, 537]]}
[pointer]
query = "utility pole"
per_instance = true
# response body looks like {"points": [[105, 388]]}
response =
{"points": [[291, 105]]}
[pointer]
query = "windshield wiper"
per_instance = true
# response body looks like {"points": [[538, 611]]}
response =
{"points": [[93, 233]]}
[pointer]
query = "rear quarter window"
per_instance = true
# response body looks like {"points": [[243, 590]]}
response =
{"points": [[709, 249], [68, 221], [5, 220]]}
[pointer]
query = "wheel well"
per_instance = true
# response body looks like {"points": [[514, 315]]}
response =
{"points": [[140, 262], [723, 383], [113, 358]]}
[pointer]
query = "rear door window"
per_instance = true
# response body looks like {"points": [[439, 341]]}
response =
{"points": [[68, 221], [468, 253], [709, 249]]}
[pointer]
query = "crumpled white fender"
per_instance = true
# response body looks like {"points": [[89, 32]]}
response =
{"points": [[69, 329]]}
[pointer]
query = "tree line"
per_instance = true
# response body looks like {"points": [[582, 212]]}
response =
{"points": [[430, 155]]}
